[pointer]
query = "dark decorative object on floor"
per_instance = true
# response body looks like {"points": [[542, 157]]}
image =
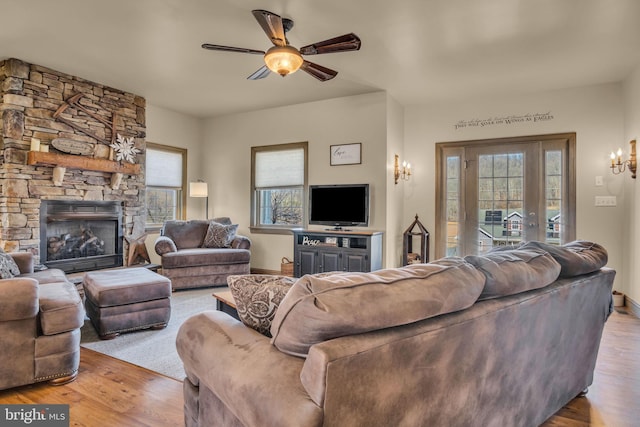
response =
{"points": [[408, 256]]}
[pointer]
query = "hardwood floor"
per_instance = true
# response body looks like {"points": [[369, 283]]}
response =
{"points": [[109, 392]]}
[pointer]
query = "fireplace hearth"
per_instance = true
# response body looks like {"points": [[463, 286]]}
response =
{"points": [[81, 235]]}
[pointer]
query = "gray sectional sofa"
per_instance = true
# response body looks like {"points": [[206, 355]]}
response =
{"points": [[190, 262], [505, 339]]}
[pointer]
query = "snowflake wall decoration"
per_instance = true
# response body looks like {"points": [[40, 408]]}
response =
{"points": [[124, 149]]}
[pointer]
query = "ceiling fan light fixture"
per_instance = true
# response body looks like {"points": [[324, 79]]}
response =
{"points": [[283, 59]]}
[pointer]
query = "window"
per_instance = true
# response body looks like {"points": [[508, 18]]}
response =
{"points": [[278, 187], [165, 180], [501, 192]]}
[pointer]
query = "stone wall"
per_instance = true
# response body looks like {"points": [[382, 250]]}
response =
{"points": [[29, 97]]}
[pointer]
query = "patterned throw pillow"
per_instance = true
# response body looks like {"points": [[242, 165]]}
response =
{"points": [[220, 235], [257, 297], [8, 267]]}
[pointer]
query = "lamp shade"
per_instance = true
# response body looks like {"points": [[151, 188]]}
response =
{"points": [[198, 189], [283, 60]]}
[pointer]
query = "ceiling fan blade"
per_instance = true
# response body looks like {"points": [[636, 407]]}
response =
{"points": [[318, 71], [231, 49], [272, 26], [260, 74], [342, 43]]}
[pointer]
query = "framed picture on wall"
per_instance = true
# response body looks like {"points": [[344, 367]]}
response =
{"points": [[346, 154]]}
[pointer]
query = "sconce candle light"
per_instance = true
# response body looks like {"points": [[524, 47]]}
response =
{"points": [[200, 189], [404, 173], [618, 165]]}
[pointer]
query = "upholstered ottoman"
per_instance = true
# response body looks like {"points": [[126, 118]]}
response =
{"points": [[127, 300]]}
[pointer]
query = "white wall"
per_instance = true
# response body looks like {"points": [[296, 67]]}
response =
{"points": [[595, 113], [178, 130], [397, 222], [631, 286], [227, 158]]}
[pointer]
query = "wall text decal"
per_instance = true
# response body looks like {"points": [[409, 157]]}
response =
{"points": [[504, 120]]}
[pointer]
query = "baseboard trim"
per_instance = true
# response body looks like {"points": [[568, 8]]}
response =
{"points": [[632, 305]]}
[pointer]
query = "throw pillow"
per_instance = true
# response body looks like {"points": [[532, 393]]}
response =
{"points": [[219, 235], [257, 297], [8, 267]]}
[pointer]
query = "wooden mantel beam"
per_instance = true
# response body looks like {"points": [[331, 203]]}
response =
{"points": [[81, 162]]}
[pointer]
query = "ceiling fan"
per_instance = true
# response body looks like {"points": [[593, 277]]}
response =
{"points": [[285, 59]]}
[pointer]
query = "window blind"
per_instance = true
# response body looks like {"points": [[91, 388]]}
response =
{"points": [[282, 168], [164, 168]]}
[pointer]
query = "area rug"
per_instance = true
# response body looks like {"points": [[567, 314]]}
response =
{"points": [[154, 350]]}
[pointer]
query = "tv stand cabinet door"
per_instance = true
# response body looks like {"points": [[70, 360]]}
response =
{"points": [[356, 262], [305, 262], [330, 261]]}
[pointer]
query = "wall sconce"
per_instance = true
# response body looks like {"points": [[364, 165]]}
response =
{"points": [[404, 173], [200, 189], [618, 166]]}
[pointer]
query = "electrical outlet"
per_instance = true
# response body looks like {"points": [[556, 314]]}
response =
{"points": [[607, 201]]}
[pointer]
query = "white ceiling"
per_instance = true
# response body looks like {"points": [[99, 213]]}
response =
{"points": [[419, 51]]}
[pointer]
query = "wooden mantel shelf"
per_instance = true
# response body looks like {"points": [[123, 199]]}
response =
{"points": [[81, 162]]}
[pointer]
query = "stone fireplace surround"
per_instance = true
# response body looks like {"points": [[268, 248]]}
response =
{"points": [[29, 96]]}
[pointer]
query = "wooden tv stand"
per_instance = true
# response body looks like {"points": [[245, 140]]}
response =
{"points": [[318, 251]]}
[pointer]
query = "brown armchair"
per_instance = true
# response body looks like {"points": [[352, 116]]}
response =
{"points": [[40, 318], [190, 262]]}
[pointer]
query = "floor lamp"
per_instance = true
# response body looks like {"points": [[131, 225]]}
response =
{"points": [[200, 189]]}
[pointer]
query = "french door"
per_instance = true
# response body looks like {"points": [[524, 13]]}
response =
{"points": [[504, 191]]}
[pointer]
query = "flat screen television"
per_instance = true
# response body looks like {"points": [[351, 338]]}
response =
{"points": [[339, 206]]}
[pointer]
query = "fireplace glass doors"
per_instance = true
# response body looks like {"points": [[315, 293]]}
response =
{"points": [[80, 235]]}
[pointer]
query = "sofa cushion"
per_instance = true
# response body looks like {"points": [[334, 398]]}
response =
{"points": [[575, 258], [206, 257], [8, 267], [186, 234], [49, 275], [61, 308], [317, 309], [514, 271], [219, 235], [257, 297]]}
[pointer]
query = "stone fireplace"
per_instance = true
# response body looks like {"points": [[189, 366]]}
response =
{"points": [[74, 122]]}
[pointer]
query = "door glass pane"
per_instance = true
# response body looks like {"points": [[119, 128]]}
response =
{"points": [[452, 180], [500, 200], [553, 195]]}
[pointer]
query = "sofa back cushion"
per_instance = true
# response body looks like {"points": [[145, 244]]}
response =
{"points": [[575, 258], [319, 308], [189, 234], [514, 271]]}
